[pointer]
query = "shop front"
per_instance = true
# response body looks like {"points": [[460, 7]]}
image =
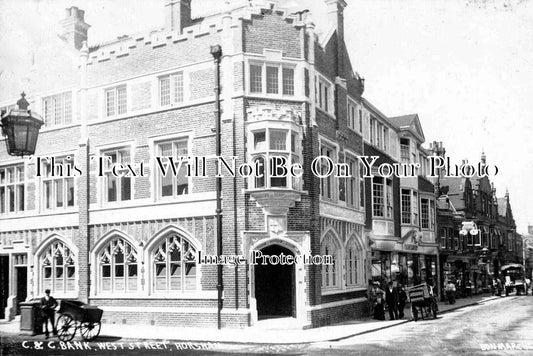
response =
{"points": [[406, 263]]}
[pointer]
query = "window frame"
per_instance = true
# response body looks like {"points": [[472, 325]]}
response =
{"points": [[119, 151], [174, 98], [133, 252], [281, 90], [158, 177], [117, 109], [66, 182], [168, 264], [328, 181], [50, 105], [50, 251], [326, 93], [387, 203], [333, 272], [291, 152], [15, 184]]}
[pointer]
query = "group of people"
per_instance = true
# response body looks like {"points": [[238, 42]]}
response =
{"points": [[394, 297]]}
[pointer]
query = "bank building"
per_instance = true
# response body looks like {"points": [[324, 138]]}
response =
{"points": [[128, 244]]}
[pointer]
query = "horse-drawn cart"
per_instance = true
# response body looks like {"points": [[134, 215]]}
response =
{"points": [[423, 303], [78, 315]]}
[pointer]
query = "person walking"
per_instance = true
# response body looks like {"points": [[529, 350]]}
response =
{"points": [[450, 292], [48, 305], [402, 299], [392, 299], [376, 298]]}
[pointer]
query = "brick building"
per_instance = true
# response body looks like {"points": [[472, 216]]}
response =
{"points": [[476, 256], [400, 210], [128, 242]]}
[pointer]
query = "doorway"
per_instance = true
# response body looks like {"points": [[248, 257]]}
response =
{"points": [[4, 284], [275, 286], [22, 285]]}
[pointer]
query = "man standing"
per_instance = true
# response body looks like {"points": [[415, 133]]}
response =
{"points": [[48, 305], [392, 299]]}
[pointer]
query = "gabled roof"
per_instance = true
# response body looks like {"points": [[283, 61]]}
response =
{"points": [[409, 123], [369, 106], [456, 187]]}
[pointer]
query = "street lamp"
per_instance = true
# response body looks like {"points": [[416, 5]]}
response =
{"points": [[21, 128], [469, 227]]}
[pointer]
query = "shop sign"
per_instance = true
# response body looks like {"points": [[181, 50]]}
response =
{"points": [[410, 247]]}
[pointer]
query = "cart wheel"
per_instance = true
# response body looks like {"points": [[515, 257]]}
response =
{"points": [[89, 330], [414, 313], [66, 327]]}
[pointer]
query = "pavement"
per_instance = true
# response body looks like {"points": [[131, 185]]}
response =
{"points": [[279, 332]]}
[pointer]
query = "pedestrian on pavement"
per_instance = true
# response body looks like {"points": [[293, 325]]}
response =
{"points": [[450, 292], [402, 299], [48, 305], [376, 298], [392, 299], [469, 288]]}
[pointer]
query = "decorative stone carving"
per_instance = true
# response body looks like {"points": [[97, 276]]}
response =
{"points": [[275, 201]]}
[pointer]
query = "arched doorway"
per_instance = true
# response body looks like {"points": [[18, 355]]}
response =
{"points": [[275, 286]]}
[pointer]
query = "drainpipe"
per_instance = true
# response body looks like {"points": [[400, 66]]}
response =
{"points": [[216, 52]]}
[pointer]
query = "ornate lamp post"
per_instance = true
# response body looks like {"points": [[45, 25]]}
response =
{"points": [[21, 128]]}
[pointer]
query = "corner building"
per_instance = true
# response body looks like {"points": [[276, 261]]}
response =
{"points": [[129, 243]]}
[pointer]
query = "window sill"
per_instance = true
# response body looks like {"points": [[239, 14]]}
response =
{"points": [[276, 96], [59, 127], [166, 296], [331, 291], [327, 113]]}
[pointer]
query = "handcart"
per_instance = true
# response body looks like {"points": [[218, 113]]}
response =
{"points": [[78, 315], [423, 303]]}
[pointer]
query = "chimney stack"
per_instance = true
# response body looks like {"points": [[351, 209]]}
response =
{"points": [[177, 14], [336, 18], [74, 27]]}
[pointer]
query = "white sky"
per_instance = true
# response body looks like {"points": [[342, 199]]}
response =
{"points": [[465, 66]]}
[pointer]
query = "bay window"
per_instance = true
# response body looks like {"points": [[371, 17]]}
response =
{"points": [[269, 145]]}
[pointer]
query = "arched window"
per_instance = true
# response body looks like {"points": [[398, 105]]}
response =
{"points": [[331, 273], [118, 267], [58, 269], [352, 259], [174, 265]]}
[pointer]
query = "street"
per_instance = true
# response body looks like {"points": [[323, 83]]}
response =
{"points": [[477, 330]]}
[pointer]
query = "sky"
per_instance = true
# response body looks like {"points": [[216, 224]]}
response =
{"points": [[465, 66]]}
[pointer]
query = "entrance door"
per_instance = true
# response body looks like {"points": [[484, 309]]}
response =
{"points": [[22, 285], [4, 284], [275, 286]]}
